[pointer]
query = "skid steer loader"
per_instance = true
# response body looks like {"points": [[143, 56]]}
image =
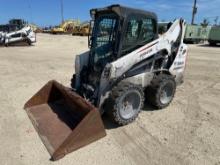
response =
{"points": [[127, 64], [5, 29], [24, 35]]}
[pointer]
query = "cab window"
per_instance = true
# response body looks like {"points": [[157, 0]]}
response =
{"points": [[139, 32]]}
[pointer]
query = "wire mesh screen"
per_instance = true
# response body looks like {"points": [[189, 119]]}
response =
{"points": [[147, 30], [132, 31], [105, 31], [139, 32], [104, 35]]}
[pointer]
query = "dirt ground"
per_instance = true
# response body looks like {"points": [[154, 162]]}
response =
{"points": [[187, 132]]}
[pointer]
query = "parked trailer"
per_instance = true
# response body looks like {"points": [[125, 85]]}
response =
{"points": [[214, 35], [196, 33]]}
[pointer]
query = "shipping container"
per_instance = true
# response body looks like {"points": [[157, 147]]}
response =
{"points": [[214, 35], [196, 33]]}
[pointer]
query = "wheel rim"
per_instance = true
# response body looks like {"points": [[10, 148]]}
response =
{"points": [[130, 104], [166, 94]]}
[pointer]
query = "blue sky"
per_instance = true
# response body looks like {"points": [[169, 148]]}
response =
{"points": [[47, 12]]}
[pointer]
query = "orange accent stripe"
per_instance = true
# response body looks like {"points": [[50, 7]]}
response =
{"points": [[147, 47]]}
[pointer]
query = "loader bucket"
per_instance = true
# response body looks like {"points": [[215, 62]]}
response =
{"points": [[63, 119]]}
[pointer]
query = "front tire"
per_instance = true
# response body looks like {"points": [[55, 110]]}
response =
{"points": [[161, 91], [212, 43], [29, 42], [126, 103]]}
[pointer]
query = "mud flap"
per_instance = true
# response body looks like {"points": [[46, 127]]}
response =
{"points": [[64, 120]]}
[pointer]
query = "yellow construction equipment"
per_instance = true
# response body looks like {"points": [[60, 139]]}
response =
{"points": [[66, 27], [35, 28], [76, 30], [82, 30]]}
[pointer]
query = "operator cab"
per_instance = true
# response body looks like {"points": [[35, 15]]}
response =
{"points": [[19, 23], [118, 31], [8, 28]]}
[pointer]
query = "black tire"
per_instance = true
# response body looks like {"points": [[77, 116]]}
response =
{"points": [[73, 81], [161, 91], [212, 43], [29, 42], [123, 98]]}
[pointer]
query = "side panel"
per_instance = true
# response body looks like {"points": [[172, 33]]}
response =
{"points": [[125, 63], [143, 79], [215, 34], [164, 42], [81, 61], [179, 64], [13, 37]]}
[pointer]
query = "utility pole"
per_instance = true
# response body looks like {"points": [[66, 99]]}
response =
{"points": [[61, 6], [30, 10], [194, 11]]}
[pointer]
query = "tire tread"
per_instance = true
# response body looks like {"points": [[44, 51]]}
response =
{"points": [[117, 92], [153, 91]]}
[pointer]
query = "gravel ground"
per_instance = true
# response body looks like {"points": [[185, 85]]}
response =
{"points": [[187, 132]]}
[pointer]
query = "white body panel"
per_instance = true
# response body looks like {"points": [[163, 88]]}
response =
{"points": [[80, 61], [25, 34], [142, 79]]}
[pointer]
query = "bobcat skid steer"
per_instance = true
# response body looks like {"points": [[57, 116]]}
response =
{"points": [[127, 64], [24, 35]]}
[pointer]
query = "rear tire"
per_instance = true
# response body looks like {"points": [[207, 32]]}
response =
{"points": [[212, 43], [29, 42], [126, 102], [161, 91]]}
